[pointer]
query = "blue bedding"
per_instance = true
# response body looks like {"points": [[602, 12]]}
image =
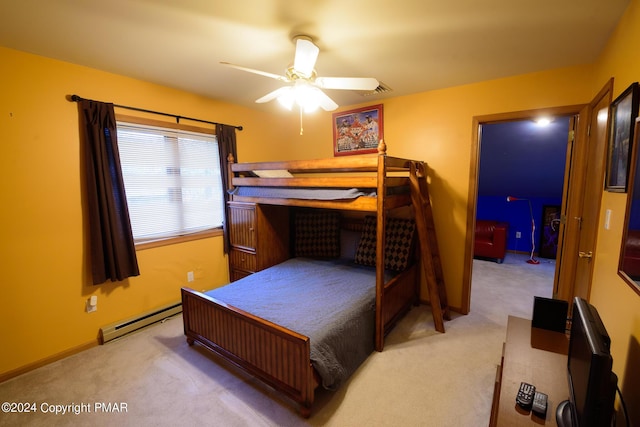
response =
{"points": [[330, 301], [304, 193]]}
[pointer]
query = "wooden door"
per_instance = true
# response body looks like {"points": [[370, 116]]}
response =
{"points": [[581, 203]]}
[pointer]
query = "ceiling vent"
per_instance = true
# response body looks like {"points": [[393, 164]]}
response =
{"points": [[382, 88]]}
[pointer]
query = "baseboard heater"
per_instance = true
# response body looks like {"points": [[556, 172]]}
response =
{"points": [[116, 330]]}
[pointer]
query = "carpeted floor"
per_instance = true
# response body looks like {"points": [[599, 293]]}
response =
{"points": [[422, 378]]}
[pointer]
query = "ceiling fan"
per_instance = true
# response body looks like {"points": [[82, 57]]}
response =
{"points": [[305, 87]]}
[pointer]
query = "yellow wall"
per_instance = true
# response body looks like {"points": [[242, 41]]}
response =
{"points": [[617, 303], [42, 250], [44, 224], [43, 273]]}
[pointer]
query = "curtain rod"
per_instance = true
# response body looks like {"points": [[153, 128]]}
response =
{"points": [[76, 98]]}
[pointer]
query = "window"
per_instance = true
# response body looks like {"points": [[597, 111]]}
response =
{"points": [[172, 180]]}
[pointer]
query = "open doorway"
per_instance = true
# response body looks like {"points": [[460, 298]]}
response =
{"points": [[520, 177], [574, 111], [520, 190], [582, 191]]}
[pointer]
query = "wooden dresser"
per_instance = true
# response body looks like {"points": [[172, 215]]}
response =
{"points": [[532, 355], [259, 236]]}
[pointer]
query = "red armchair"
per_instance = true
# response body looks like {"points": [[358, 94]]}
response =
{"points": [[490, 240], [631, 261]]}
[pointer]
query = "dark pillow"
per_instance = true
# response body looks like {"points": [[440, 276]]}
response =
{"points": [[366, 251], [399, 238], [317, 234]]}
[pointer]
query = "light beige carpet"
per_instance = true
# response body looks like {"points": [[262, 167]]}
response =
{"points": [[422, 378]]}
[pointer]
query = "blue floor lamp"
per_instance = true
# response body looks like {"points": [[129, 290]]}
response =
{"points": [[531, 259]]}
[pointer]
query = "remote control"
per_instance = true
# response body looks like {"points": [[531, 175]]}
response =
{"points": [[539, 406], [525, 395]]}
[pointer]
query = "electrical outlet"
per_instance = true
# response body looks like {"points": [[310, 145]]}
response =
{"points": [[190, 277], [518, 235]]}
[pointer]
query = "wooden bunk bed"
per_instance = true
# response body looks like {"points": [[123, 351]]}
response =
{"points": [[280, 356]]}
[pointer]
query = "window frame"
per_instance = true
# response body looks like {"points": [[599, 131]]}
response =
{"points": [[214, 232]]}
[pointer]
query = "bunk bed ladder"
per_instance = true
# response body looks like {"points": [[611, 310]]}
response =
{"points": [[429, 245]]}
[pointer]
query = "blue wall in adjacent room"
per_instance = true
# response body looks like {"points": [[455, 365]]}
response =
{"points": [[522, 160], [517, 215]]}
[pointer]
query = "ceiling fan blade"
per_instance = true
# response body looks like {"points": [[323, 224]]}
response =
{"points": [[326, 103], [274, 94], [351, 83], [262, 73], [306, 56]]}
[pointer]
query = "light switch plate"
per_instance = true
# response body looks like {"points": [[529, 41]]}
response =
{"points": [[607, 219]]}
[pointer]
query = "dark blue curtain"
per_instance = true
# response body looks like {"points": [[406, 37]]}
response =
{"points": [[113, 254]]}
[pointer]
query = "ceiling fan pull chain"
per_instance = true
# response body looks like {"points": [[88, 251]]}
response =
{"points": [[300, 108]]}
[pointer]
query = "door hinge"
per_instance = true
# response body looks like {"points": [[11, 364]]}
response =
{"points": [[572, 135], [579, 219], [589, 130]]}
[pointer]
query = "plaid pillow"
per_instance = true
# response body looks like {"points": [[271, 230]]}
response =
{"points": [[366, 251], [399, 241], [317, 234]]}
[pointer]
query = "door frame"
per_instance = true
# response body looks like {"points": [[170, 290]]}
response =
{"points": [[472, 197]]}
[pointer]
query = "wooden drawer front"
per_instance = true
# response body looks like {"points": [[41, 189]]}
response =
{"points": [[242, 223], [241, 260]]}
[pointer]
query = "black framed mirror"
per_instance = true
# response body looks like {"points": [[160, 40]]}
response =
{"points": [[629, 263]]}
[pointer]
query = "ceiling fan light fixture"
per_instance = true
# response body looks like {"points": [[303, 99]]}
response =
{"points": [[304, 95], [307, 97], [287, 98], [306, 88]]}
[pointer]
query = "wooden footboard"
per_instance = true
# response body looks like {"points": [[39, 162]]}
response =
{"points": [[277, 356]]}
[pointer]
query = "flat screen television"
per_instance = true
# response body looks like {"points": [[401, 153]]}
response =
{"points": [[592, 384]]}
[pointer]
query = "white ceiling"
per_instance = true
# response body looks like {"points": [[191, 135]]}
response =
{"points": [[409, 45]]}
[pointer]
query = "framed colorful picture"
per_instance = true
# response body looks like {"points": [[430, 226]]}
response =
{"points": [[357, 131], [624, 110]]}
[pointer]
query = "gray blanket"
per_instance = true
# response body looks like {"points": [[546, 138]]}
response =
{"points": [[331, 302], [304, 193]]}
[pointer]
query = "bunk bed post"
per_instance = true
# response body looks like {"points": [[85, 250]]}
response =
{"points": [[380, 244]]}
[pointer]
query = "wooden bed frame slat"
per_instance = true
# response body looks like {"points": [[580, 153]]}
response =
{"points": [[336, 164], [399, 296], [276, 355], [344, 164], [361, 204], [309, 182], [315, 182]]}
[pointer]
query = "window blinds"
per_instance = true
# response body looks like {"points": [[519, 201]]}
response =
{"points": [[172, 181]]}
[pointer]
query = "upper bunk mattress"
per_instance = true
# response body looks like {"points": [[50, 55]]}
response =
{"points": [[305, 193], [331, 302]]}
